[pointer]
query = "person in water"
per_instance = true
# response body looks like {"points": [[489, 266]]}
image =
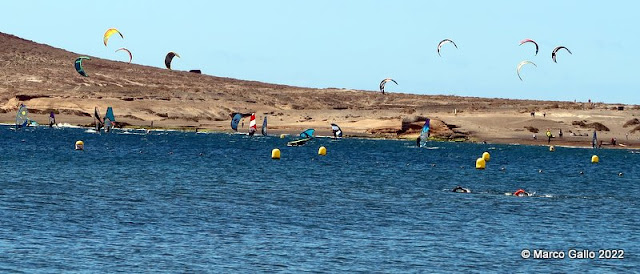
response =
{"points": [[418, 142], [460, 189], [521, 193]]}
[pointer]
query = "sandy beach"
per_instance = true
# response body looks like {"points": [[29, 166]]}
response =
{"points": [[42, 77]]}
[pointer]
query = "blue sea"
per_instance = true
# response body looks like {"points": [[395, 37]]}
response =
{"points": [[186, 202]]}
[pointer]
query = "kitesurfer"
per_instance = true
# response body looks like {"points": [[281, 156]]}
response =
{"points": [[460, 189]]}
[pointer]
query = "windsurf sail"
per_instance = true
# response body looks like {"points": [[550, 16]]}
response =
{"points": [[235, 121], [22, 118], [252, 124], [594, 141], [424, 134], [264, 126], [337, 131], [99, 121], [52, 119], [307, 133], [109, 120]]}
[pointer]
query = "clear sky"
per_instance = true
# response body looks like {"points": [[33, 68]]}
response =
{"points": [[357, 43]]}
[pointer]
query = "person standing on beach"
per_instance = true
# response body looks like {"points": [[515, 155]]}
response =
{"points": [[549, 136], [560, 133]]}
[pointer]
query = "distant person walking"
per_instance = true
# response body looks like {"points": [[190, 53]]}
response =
{"points": [[560, 133]]}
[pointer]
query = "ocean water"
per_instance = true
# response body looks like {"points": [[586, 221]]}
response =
{"points": [[186, 202]]}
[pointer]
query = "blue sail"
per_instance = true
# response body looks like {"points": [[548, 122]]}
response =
{"points": [[109, 120], [307, 133], [110, 115], [22, 118], [425, 130], [234, 122]]}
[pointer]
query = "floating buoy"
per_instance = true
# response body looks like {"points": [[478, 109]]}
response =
{"points": [[595, 159], [322, 151], [480, 163], [282, 136], [79, 145], [620, 174], [275, 154], [552, 148], [486, 156]]}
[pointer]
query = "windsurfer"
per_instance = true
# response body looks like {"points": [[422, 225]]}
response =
{"points": [[418, 141], [52, 119]]}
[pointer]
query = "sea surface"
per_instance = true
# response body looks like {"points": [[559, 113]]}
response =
{"points": [[186, 202]]}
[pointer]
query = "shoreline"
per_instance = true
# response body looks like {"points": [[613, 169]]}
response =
{"points": [[556, 142]]}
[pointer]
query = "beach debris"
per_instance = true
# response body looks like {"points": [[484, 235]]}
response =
{"points": [[555, 51], [108, 34], [522, 64], [445, 41], [384, 82], [129, 52], [169, 58], [530, 41], [79, 67]]}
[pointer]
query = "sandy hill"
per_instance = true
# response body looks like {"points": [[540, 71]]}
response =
{"points": [[43, 77]]}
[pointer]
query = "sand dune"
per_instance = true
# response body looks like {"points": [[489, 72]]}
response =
{"points": [[44, 79]]}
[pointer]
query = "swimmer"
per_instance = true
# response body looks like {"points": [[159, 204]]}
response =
{"points": [[521, 193], [460, 189]]}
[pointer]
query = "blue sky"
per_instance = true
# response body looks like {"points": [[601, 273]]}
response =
{"points": [[356, 44]]}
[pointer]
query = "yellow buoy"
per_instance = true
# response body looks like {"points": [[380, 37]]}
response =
{"points": [[275, 154], [480, 163], [282, 136], [595, 159], [552, 148], [79, 145], [322, 151], [486, 156]]}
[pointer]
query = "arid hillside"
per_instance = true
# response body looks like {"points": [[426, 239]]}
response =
{"points": [[43, 78]]}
